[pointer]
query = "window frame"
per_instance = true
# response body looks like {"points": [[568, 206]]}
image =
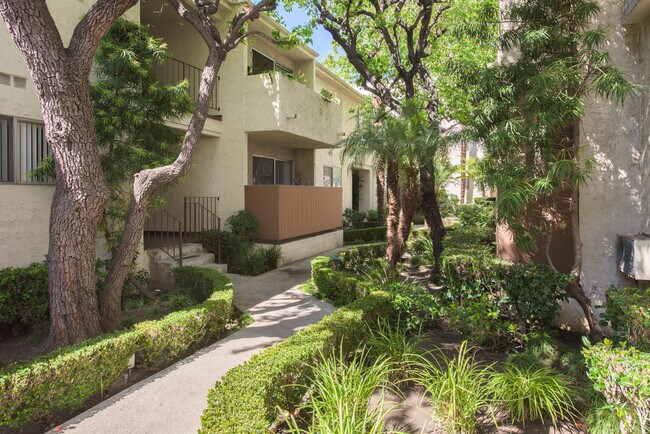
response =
{"points": [[15, 151], [332, 168], [277, 66], [293, 167]]}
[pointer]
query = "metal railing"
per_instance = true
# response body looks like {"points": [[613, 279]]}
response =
{"points": [[200, 215], [174, 71], [166, 232]]}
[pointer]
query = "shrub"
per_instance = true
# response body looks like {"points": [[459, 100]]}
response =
{"points": [[177, 300], [24, 299], [337, 286], [394, 343], [355, 259], [480, 214], [622, 375], [199, 283], [247, 398], [628, 313], [418, 219], [527, 294], [456, 387], [341, 397], [243, 225], [353, 218], [66, 378], [232, 246], [474, 241], [414, 305], [532, 393], [366, 235]]}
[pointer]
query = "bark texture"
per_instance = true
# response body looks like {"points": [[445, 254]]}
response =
{"points": [[381, 190], [392, 220], [61, 78], [575, 290], [410, 201]]}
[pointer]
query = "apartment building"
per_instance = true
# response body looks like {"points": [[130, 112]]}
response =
{"points": [[616, 198], [268, 144]]}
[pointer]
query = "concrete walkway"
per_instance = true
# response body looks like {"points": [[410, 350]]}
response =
{"points": [[173, 400]]}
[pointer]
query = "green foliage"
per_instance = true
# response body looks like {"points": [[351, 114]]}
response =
{"points": [[356, 259], [532, 393], [243, 224], [177, 301], [456, 387], [600, 418], [366, 235], [199, 283], [24, 299], [131, 108], [526, 108], [232, 246], [622, 375], [448, 204], [247, 398], [628, 313], [502, 296], [475, 241], [66, 378], [395, 344], [341, 394], [353, 219], [258, 260], [479, 214], [414, 305], [339, 287]]}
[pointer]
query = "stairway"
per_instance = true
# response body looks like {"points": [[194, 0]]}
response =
{"points": [[160, 264]]}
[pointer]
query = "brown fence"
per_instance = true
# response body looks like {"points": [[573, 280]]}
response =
{"points": [[292, 211]]}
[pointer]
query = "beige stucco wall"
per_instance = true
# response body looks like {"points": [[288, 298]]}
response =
{"points": [[25, 208]]}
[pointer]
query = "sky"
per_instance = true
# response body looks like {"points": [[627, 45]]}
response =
{"points": [[322, 41]]}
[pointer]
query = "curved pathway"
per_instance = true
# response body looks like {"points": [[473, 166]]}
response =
{"points": [[173, 400]]}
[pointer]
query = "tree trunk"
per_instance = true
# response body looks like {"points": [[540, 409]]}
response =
{"points": [[61, 78], [145, 185], [463, 168], [432, 215], [381, 190], [410, 200], [392, 223], [575, 290]]}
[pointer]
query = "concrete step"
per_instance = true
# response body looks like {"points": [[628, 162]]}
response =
{"points": [[191, 261], [221, 268], [189, 250]]}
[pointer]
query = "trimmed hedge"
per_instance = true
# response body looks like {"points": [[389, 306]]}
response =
{"points": [[366, 235], [24, 299], [247, 398], [338, 278], [475, 241], [66, 378], [199, 283]]}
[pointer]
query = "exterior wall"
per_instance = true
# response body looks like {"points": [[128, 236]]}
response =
{"points": [[293, 251], [25, 215], [616, 199]]}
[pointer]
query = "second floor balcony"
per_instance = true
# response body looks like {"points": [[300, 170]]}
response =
{"points": [[281, 109], [174, 71]]}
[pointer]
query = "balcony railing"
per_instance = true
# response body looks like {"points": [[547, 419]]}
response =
{"points": [[285, 212], [174, 71]]}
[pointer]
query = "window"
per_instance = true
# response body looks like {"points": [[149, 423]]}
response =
{"points": [[6, 151], [268, 171], [22, 150], [332, 176], [262, 64]]}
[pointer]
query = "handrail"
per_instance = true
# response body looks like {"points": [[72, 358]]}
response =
{"points": [[200, 214], [174, 71], [167, 232]]}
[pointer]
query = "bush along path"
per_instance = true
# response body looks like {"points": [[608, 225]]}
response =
{"points": [[174, 399]]}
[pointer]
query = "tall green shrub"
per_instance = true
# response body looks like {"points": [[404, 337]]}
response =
{"points": [[24, 299], [628, 312]]}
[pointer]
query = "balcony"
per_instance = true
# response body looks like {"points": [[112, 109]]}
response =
{"points": [[174, 71], [292, 211], [635, 11], [280, 110]]}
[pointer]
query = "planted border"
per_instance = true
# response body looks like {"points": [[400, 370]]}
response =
{"points": [[365, 235], [66, 378], [247, 398]]}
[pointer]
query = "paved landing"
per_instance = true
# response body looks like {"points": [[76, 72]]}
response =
{"points": [[173, 400]]}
